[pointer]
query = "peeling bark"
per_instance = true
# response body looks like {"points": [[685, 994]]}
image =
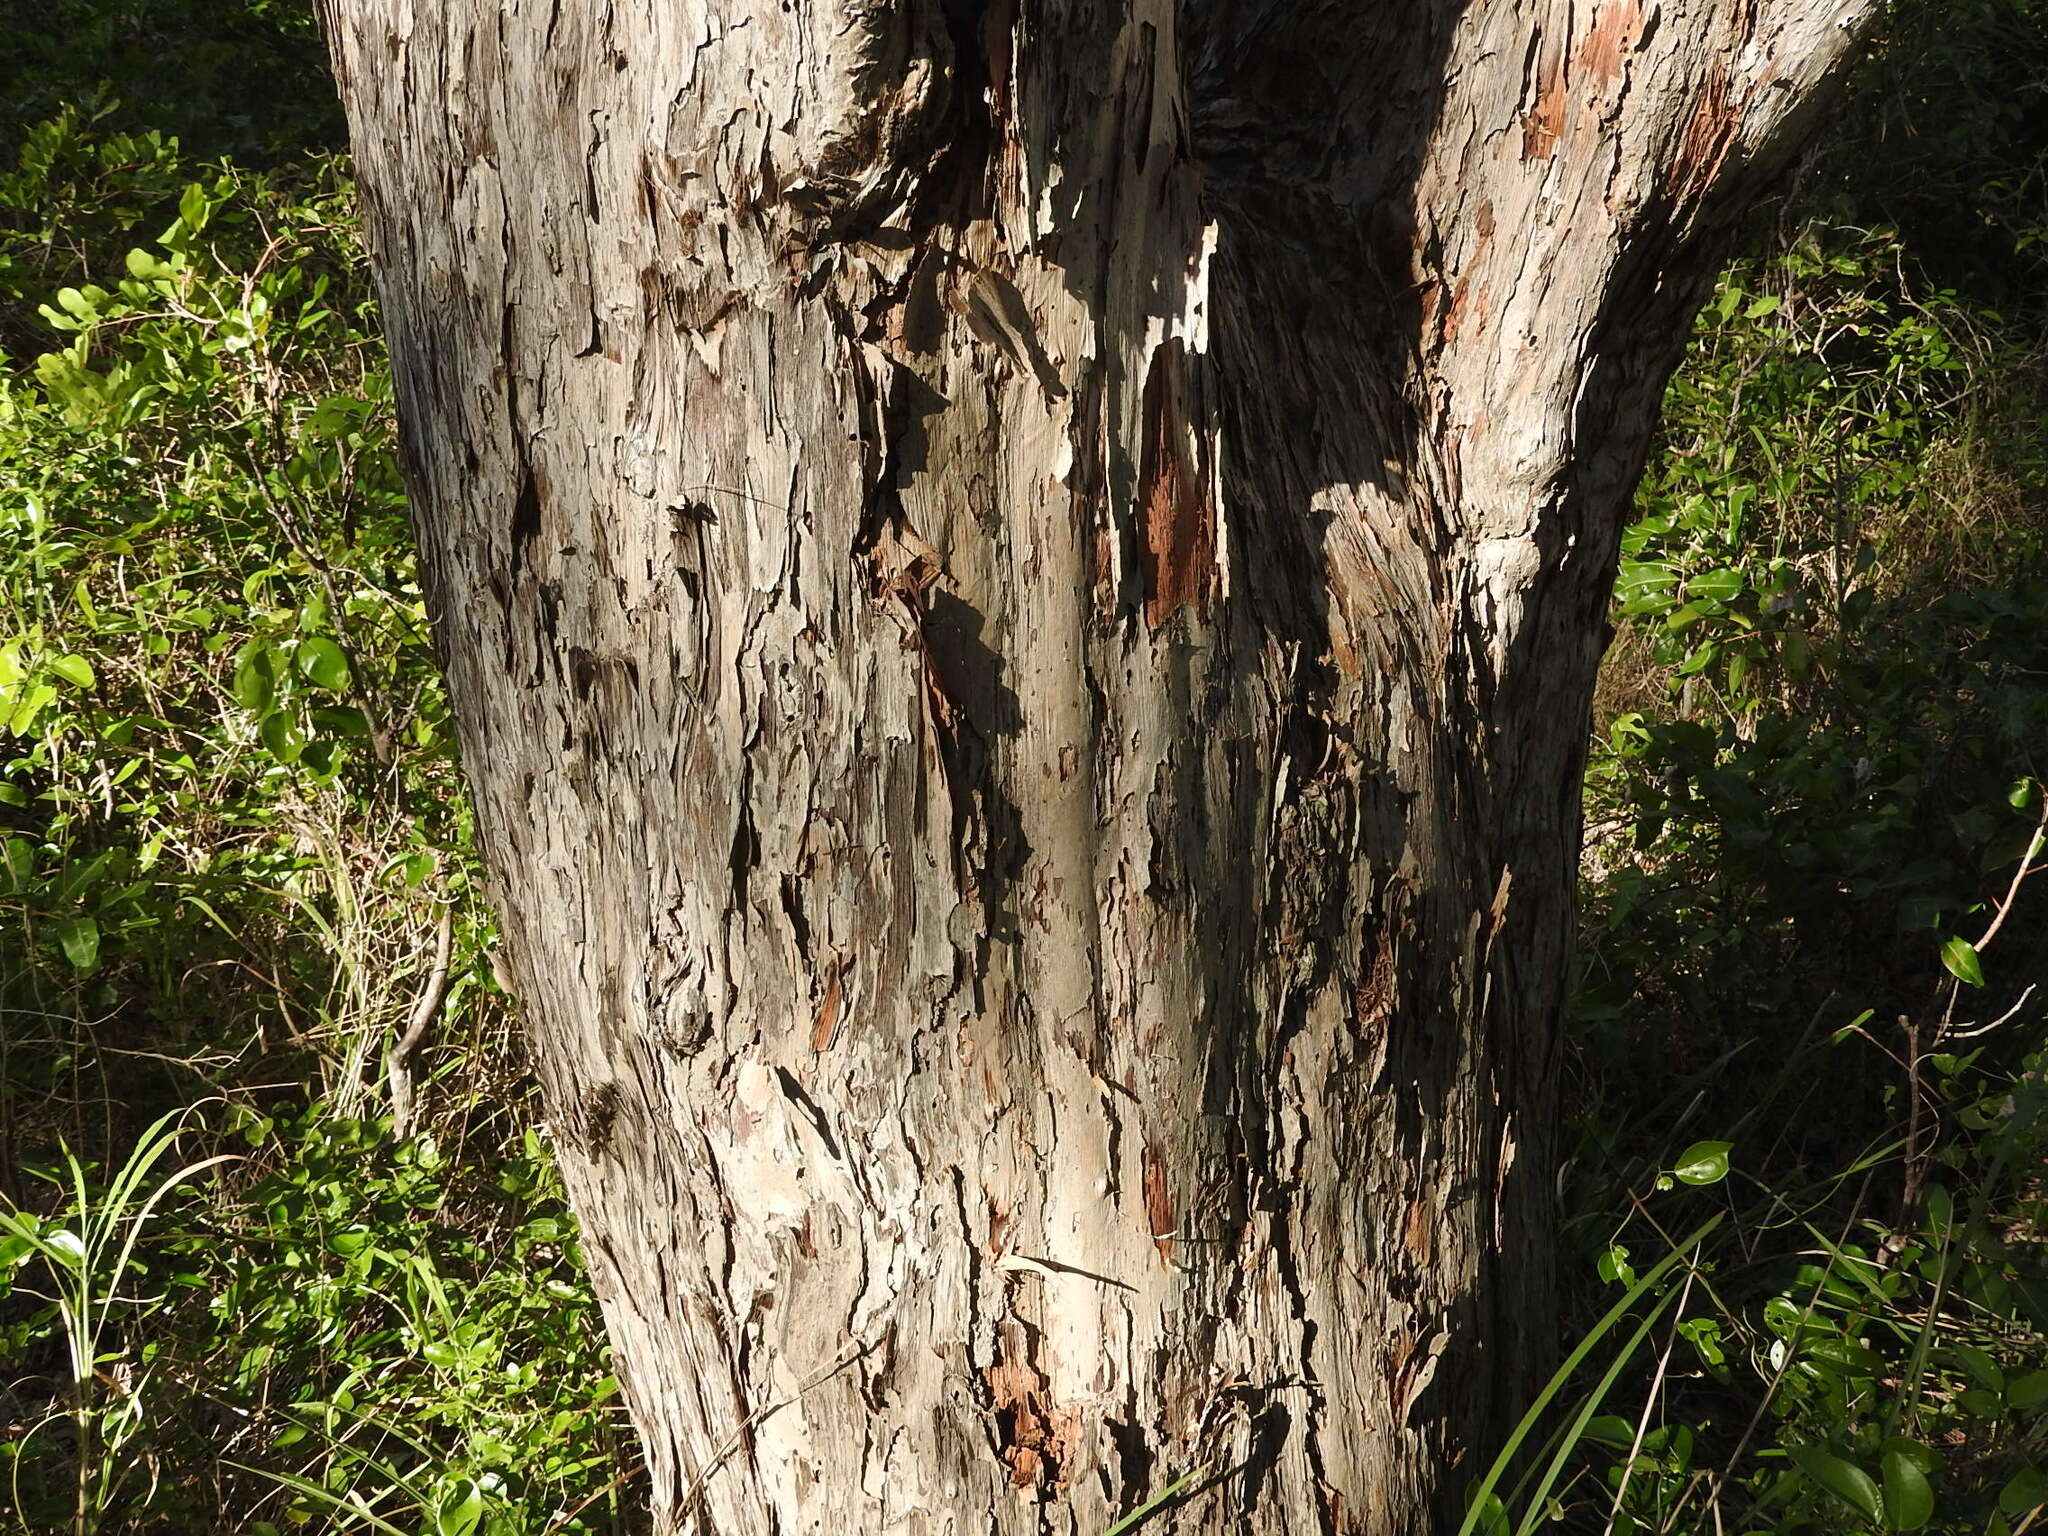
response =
{"points": [[1021, 585]]}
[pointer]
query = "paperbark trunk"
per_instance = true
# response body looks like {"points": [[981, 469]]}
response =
{"points": [[1021, 584]]}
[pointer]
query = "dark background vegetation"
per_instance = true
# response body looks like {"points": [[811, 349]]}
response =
{"points": [[236, 1296]]}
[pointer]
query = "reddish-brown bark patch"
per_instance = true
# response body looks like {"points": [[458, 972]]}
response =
{"points": [[1615, 32], [1709, 135], [1158, 1200], [1544, 123], [1178, 548], [1035, 1439], [828, 1016]]}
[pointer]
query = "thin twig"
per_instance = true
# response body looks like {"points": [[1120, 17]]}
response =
{"points": [[398, 1059]]}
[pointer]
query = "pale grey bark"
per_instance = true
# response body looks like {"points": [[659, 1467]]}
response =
{"points": [[1021, 584]]}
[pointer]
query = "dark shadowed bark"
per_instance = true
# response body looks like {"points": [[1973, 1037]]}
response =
{"points": [[1022, 583]]}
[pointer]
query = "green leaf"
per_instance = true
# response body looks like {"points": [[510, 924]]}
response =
{"points": [[1960, 956], [29, 707], [1981, 1367], [75, 670], [1716, 586], [1611, 1429], [459, 1510], [255, 677], [1941, 1210], [2026, 1491], [1614, 1266], [322, 664], [341, 721], [1845, 1355], [1704, 1162], [281, 735], [1701, 658], [79, 938], [2029, 1393], [1980, 1403], [1844, 1479], [1908, 1498], [1767, 305]]}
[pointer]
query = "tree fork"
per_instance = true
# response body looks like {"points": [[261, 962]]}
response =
{"points": [[1021, 586]]}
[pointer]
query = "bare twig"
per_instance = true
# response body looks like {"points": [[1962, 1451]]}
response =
{"points": [[398, 1058]]}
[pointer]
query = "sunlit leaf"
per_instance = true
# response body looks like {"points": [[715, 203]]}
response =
{"points": [[321, 663], [79, 938], [1960, 956], [1704, 1162]]}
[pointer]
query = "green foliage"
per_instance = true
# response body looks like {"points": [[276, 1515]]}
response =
{"points": [[230, 816], [1813, 932]]}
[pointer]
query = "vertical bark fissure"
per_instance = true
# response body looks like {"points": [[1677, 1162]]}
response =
{"points": [[1021, 584]]}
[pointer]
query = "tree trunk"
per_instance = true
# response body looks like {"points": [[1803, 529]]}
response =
{"points": [[1021, 584]]}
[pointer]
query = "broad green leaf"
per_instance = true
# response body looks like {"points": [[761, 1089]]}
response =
{"points": [[255, 678], [341, 721], [2028, 1490], [282, 736], [1981, 1367], [321, 663], [1704, 1162], [1941, 1210], [1700, 659], [459, 1510], [2030, 1392], [29, 706], [1716, 586], [1922, 1456], [79, 937], [1845, 1355], [1844, 1479], [1908, 1498], [1960, 956], [1611, 1429], [1614, 1266], [75, 670]]}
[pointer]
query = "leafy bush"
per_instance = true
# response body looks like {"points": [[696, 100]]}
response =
{"points": [[233, 827]]}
